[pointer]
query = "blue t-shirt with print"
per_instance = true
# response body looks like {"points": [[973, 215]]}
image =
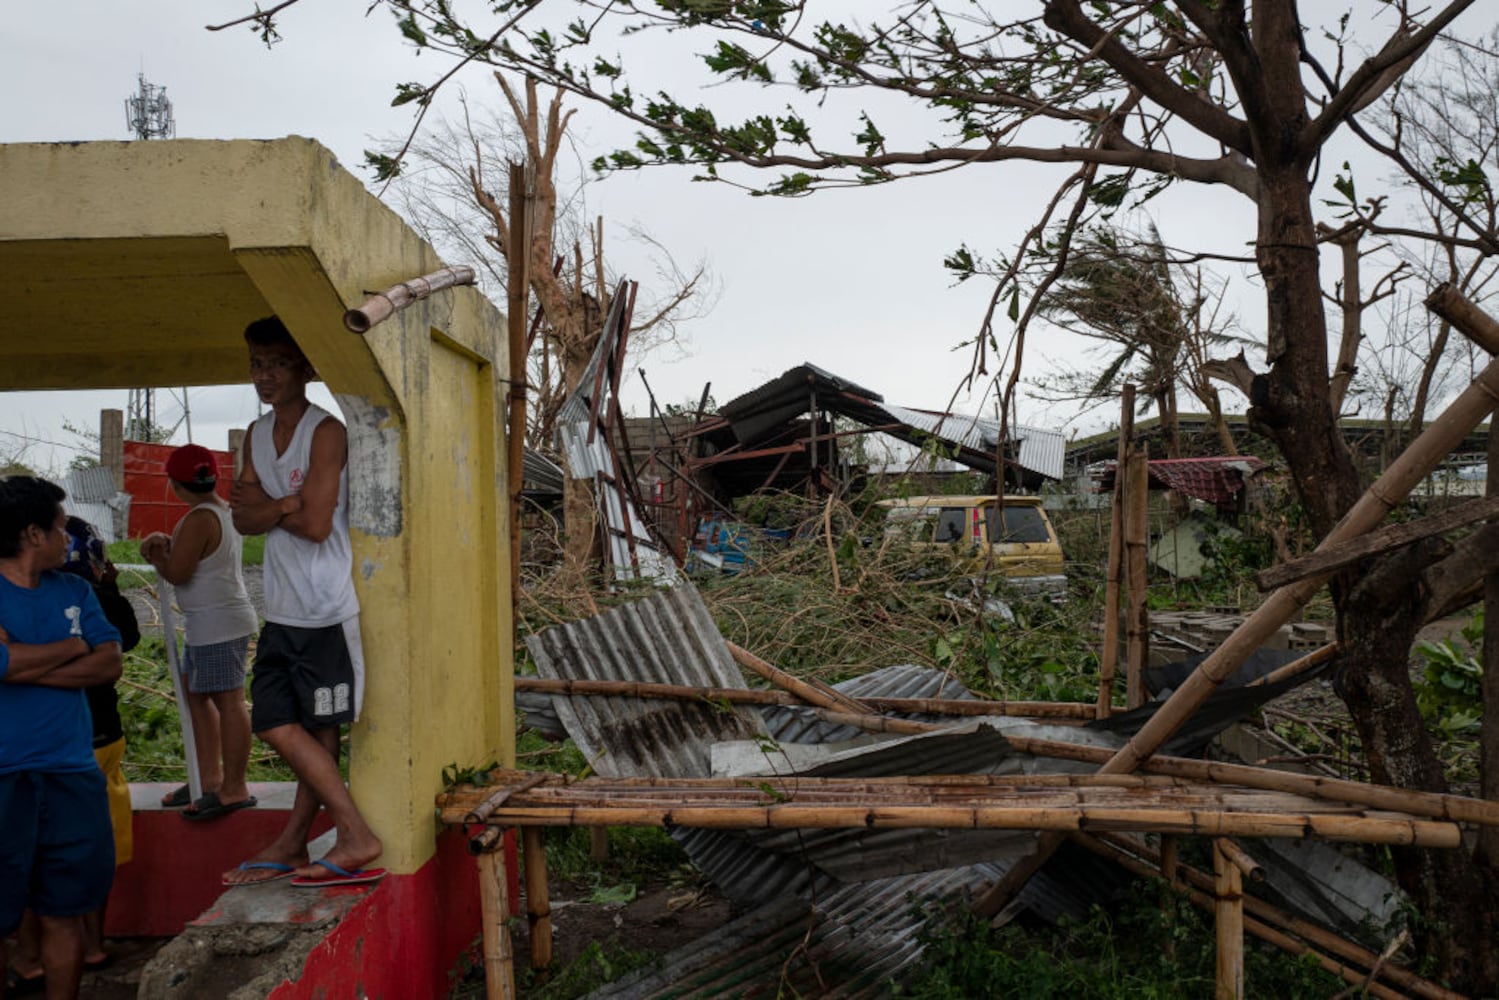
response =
{"points": [[46, 728]]}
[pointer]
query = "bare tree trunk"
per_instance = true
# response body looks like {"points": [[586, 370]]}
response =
{"points": [[1378, 620]]}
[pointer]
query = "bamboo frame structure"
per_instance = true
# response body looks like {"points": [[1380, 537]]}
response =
{"points": [[1438, 439], [380, 306], [1136, 857], [1058, 803]]}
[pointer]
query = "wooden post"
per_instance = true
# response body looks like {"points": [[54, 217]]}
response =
{"points": [[538, 897], [1229, 921], [1114, 572], [237, 447], [1136, 534], [518, 257], [598, 843], [112, 444], [499, 965]]}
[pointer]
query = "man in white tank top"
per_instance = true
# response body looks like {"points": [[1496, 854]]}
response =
{"points": [[308, 676]]}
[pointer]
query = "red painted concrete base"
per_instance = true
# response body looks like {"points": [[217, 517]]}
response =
{"points": [[404, 939], [175, 873]]}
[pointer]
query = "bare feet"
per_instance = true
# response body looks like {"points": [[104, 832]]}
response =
{"points": [[270, 865]]}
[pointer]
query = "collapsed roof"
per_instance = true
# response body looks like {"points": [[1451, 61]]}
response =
{"points": [[766, 429]]}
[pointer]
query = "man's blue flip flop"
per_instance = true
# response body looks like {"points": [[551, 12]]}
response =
{"points": [[282, 871], [339, 876]]}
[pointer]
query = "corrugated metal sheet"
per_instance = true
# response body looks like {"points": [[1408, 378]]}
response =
{"points": [[666, 638], [541, 473], [593, 459], [850, 943], [855, 941], [1041, 451]]}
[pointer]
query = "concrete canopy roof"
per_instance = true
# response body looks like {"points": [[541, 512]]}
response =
{"points": [[183, 300], [134, 264]]}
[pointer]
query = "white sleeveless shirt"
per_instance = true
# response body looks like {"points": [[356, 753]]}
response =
{"points": [[214, 601], [307, 584]]}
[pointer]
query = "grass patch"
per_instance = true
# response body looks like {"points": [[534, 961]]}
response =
{"points": [[1154, 944]]}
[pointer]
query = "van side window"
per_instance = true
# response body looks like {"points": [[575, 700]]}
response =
{"points": [[1021, 524], [951, 524]]}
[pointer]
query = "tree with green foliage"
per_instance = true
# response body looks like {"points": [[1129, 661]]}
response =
{"points": [[1122, 291], [1126, 98]]}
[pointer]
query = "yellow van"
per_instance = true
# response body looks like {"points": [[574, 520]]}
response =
{"points": [[1020, 540]]}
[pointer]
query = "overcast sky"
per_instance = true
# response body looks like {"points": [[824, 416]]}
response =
{"points": [[849, 280]]}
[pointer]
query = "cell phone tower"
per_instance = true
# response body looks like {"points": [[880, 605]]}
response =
{"points": [[148, 115]]}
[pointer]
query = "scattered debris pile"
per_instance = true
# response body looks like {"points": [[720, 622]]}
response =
{"points": [[844, 817]]}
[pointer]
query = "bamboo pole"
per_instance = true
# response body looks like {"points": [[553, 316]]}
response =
{"points": [[1434, 805], [1228, 925], [1115, 568], [760, 696], [382, 305], [1248, 867], [812, 694], [1200, 820], [1137, 616], [483, 810], [1126, 851], [499, 963], [538, 897], [1315, 658], [1472, 322]]}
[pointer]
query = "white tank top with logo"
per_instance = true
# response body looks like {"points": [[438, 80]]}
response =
{"points": [[214, 601], [307, 584]]}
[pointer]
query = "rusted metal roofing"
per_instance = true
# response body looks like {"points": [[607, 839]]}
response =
{"points": [[668, 638], [1216, 480]]}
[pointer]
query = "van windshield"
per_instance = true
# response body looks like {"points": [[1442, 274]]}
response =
{"points": [[1021, 524]]}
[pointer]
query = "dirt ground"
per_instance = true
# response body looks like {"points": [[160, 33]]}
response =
{"points": [[661, 918]]}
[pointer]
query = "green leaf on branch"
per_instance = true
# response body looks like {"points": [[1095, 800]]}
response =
{"points": [[384, 167], [408, 92]]}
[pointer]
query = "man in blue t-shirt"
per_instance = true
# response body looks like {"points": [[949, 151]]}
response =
{"points": [[56, 848]]}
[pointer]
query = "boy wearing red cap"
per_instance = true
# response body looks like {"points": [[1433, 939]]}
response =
{"points": [[202, 560]]}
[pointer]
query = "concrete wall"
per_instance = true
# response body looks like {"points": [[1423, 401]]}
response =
{"points": [[139, 264]]}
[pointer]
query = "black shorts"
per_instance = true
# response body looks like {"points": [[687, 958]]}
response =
{"points": [[304, 676]]}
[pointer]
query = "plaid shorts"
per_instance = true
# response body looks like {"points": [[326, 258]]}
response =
{"points": [[218, 666]]}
